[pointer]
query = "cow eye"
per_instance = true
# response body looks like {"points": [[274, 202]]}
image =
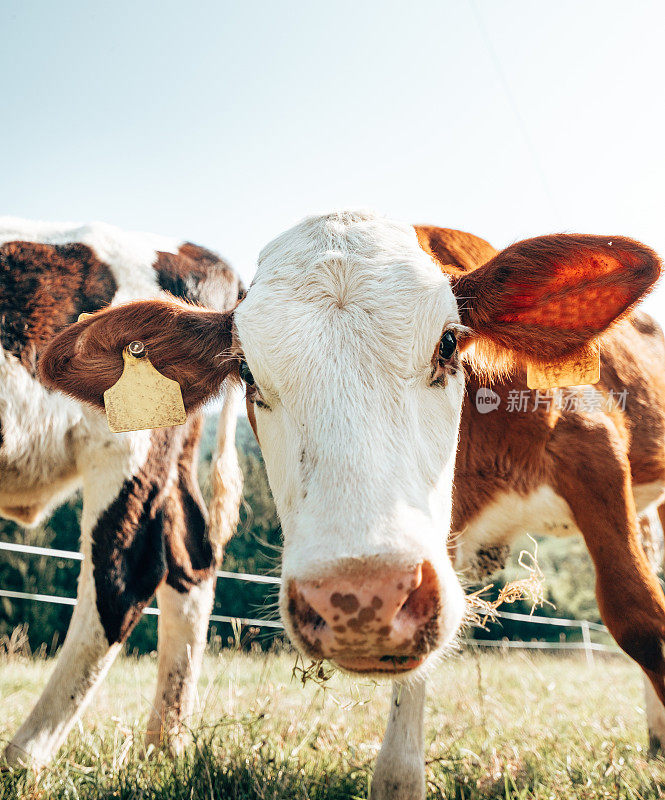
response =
{"points": [[246, 373], [447, 345]]}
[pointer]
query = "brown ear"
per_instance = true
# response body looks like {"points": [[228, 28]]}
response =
{"points": [[548, 297], [457, 252], [185, 343]]}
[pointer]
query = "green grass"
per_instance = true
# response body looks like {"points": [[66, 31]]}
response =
{"points": [[498, 726]]}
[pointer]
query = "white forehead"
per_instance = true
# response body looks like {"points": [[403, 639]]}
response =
{"points": [[344, 247], [345, 285]]}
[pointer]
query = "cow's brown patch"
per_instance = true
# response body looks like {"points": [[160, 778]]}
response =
{"points": [[541, 298], [128, 554], [366, 615], [189, 273], [43, 288], [461, 252], [153, 530], [189, 553], [348, 603]]}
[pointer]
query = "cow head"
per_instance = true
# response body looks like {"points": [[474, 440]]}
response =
{"points": [[351, 342]]}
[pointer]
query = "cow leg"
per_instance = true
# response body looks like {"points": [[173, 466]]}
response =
{"points": [[655, 717], [82, 663], [655, 709], [121, 539], [185, 601], [183, 627], [629, 595], [400, 766], [660, 535]]}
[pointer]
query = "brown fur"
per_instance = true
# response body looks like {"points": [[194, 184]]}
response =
{"points": [[185, 274], [188, 344], [593, 458], [128, 554], [461, 252], [189, 552], [44, 287], [153, 531]]}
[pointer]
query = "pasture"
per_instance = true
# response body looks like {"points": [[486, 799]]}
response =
{"points": [[511, 726]]}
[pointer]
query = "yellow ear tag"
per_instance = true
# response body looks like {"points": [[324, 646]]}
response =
{"points": [[579, 371], [142, 398]]}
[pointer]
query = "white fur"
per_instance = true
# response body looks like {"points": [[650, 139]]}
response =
{"points": [[183, 627], [339, 328], [128, 254], [648, 496], [508, 516], [541, 512], [225, 475], [86, 655], [37, 463], [400, 767]]}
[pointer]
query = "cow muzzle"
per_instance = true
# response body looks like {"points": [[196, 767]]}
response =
{"points": [[386, 621]]}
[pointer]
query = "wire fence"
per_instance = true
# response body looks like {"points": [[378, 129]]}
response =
{"points": [[585, 626]]}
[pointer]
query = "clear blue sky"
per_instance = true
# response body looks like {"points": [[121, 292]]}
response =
{"points": [[225, 122]]}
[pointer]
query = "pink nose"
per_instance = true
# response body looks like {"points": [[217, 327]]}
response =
{"points": [[386, 621]]}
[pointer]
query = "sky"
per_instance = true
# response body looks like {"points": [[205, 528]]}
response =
{"points": [[226, 122]]}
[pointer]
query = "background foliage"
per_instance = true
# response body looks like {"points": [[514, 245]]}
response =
{"points": [[255, 548]]}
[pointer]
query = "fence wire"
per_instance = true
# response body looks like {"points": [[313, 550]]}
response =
{"points": [[585, 626]]}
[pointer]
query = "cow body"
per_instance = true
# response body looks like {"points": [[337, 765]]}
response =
{"points": [[354, 342], [513, 464], [144, 524], [512, 461]]}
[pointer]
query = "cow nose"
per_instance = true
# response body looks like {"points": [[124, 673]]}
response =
{"points": [[386, 621]]}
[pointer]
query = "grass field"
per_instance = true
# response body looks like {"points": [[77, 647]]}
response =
{"points": [[498, 726]]}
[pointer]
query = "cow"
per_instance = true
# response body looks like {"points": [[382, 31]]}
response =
{"points": [[144, 524], [363, 344]]}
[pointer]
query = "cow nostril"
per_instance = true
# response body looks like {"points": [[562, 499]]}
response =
{"points": [[423, 601]]}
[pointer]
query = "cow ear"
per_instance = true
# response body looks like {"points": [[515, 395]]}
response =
{"points": [[548, 297], [187, 344]]}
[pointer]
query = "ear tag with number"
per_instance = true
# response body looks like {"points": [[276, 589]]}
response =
{"points": [[581, 370], [142, 398]]}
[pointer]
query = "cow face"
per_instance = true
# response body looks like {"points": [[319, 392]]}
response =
{"points": [[349, 332], [350, 342]]}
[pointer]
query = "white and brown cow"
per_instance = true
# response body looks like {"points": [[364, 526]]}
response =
{"points": [[358, 341], [144, 525]]}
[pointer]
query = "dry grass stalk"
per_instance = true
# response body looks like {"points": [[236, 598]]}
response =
{"points": [[16, 644], [315, 671], [532, 588]]}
